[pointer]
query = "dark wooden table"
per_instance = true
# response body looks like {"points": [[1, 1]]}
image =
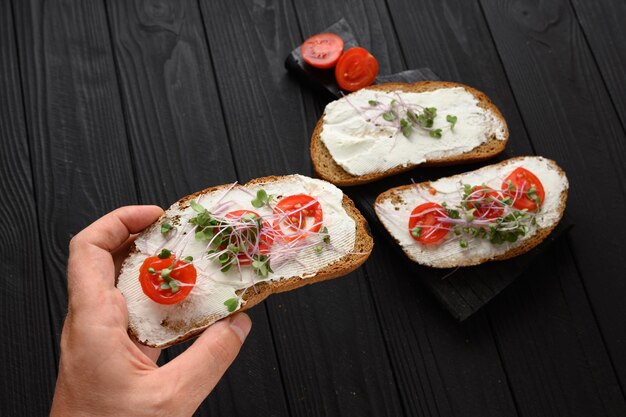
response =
{"points": [[107, 103]]}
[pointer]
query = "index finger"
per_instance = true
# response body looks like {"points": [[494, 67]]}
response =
{"points": [[90, 262]]}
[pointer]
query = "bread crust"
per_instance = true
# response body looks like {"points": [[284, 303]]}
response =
{"points": [[528, 244], [326, 168], [363, 245]]}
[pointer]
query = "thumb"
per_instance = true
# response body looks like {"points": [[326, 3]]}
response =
{"points": [[201, 366]]}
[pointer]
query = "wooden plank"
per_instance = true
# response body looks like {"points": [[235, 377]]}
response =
{"points": [[545, 316], [570, 117], [28, 365], [79, 153], [328, 341], [602, 23], [435, 361], [180, 143]]}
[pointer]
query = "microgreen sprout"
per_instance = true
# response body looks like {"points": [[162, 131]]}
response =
{"points": [[452, 119], [166, 227], [389, 116], [416, 231], [261, 265], [151, 270], [373, 103], [164, 254], [231, 304], [261, 199]]}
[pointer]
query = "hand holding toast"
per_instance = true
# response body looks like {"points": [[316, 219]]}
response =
{"points": [[102, 371]]}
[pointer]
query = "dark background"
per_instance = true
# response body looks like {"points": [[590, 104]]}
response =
{"points": [[106, 103]]}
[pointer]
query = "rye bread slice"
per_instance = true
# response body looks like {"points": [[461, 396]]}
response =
{"points": [[396, 197], [362, 248], [326, 167]]}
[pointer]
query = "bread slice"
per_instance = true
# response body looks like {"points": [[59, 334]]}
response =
{"points": [[160, 325], [393, 208], [327, 168]]}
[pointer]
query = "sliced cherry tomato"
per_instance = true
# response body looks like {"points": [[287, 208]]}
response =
{"points": [[322, 50], [424, 225], [265, 240], [183, 272], [356, 68], [300, 214], [487, 202], [525, 189]]}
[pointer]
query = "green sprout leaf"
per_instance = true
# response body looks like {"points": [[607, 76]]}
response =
{"points": [[164, 254], [261, 199], [324, 231], [151, 270], [188, 259], [463, 243], [406, 128], [389, 116], [435, 133], [197, 206], [231, 304], [416, 231], [452, 120], [373, 103], [319, 248], [165, 228]]}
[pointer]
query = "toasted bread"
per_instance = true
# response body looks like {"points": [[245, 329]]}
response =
{"points": [[160, 326], [327, 168], [395, 205]]}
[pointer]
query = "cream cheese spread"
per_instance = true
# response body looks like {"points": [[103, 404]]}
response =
{"points": [[362, 141], [157, 324], [394, 215]]}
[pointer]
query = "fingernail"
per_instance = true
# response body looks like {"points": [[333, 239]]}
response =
{"points": [[241, 324]]}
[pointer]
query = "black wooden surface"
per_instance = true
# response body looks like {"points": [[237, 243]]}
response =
{"points": [[92, 92]]}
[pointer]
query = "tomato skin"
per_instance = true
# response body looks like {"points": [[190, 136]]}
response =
{"points": [[295, 218], [322, 50], [151, 283], [486, 209], [356, 68], [433, 230], [522, 180], [265, 240]]}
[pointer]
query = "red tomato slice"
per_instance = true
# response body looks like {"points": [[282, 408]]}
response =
{"points": [[322, 50], [183, 272], [299, 215], [425, 217], [486, 201], [519, 185], [265, 240], [356, 68]]}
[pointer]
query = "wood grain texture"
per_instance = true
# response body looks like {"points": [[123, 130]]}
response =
{"points": [[602, 23], [570, 118], [328, 341], [549, 343], [79, 153], [426, 362], [28, 356], [180, 143]]}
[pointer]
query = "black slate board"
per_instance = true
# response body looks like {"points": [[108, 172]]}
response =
{"points": [[462, 291], [323, 80]]}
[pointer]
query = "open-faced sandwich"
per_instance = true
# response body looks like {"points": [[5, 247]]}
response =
{"points": [[389, 128], [227, 248], [493, 213]]}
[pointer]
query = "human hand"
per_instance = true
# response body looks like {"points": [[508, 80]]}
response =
{"points": [[101, 370]]}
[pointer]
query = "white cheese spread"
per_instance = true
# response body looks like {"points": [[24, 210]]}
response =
{"points": [[361, 141]]}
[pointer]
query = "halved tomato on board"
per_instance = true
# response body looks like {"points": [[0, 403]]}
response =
{"points": [[322, 50], [154, 285], [489, 203], [356, 68], [246, 233], [298, 215], [524, 188], [424, 223]]}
